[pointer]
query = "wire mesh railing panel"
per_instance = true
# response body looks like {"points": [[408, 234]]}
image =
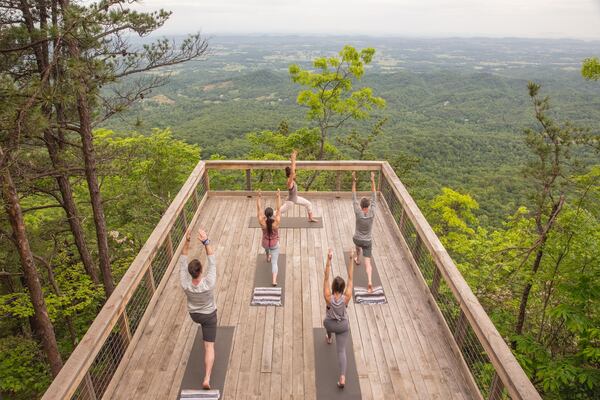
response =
{"points": [[178, 229], [137, 304], [105, 364], [476, 359], [160, 262]]}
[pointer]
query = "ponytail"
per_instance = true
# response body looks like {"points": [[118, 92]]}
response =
{"points": [[270, 220]]}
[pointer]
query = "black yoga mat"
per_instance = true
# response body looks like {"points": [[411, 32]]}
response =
{"points": [[290, 223], [194, 371], [360, 272], [327, 370], [262, 274]]}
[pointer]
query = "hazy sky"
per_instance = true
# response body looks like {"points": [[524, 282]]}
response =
{"points": [[514, 18]]}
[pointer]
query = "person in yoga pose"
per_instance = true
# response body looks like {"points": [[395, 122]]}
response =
{"points": [[292, 186], [200, 297], [365, 214], [337, 298], [270, 229]]}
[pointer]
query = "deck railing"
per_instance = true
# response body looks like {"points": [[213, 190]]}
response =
{"points": [[88, 373]]}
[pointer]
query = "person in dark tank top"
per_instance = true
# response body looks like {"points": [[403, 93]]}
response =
{"points": [[292, 186], [269, 223], [337, 298]]}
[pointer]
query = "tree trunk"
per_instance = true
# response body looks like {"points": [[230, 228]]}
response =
{"points": [[89, 157], [527, 290], [70, 208], [91, 176], [42, 320]]}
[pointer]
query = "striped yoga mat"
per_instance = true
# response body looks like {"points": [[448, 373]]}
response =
{"points": [[362, 296], [191, 394], [267, 296]]}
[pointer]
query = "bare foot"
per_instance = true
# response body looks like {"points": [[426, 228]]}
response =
{"points": [[206, 385], [370, 288]]}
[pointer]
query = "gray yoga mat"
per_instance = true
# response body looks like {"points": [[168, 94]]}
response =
{"points": [[327, 370], [262, 274], [290, 223], [360, 273], [194, 371]]}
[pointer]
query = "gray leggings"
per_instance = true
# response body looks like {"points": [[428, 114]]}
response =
{"points": [[274, 257], [341, 330]]}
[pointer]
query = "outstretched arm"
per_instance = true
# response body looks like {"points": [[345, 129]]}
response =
{"points": [[204, 239], [373, 193], [349, 286], [326, 287], [258, 205], [184, 276], [354, 199], [278, 204], [373, 181], [293, 160]]}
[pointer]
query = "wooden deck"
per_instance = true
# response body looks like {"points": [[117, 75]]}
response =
{"points": [[401, 348]]}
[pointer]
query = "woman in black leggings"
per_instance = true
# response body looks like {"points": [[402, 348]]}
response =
{"points": [[336, 318]]}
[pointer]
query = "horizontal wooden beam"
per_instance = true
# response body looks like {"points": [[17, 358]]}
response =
{"points": [[331, 165], [507, 367], [78, 364], [309, 195]]}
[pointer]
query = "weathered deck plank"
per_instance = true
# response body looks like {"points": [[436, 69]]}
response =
{"points": [[400, 350]]}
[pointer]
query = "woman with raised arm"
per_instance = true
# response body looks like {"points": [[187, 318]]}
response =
{"points": [[336, 319], [292, 187], [270, 229], [200, 298], [364, 212]]}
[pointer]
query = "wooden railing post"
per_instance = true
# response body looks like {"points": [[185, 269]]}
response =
{"points": [[169, 241], [401, 223], [435, 283], [125, 330], [417, 249], [195, 198], [249, 180], [150, 279], [460, 331], [183, 217], [495, 388], [206, 181], [89, 391]]}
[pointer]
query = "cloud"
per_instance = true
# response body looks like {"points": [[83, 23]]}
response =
{"points": [[527, 18]]}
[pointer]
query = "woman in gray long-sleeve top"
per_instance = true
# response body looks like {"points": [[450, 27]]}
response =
{"points": [[200, 297], [365, 214]]}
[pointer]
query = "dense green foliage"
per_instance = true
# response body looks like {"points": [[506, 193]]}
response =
{"points": [[141, 176], [464, 137]]}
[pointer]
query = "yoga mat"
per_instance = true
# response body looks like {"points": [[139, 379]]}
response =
{"points": [[262, 274], [194, 371], [290, 223], [361, 281], [360, 273], [327, 370]]}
